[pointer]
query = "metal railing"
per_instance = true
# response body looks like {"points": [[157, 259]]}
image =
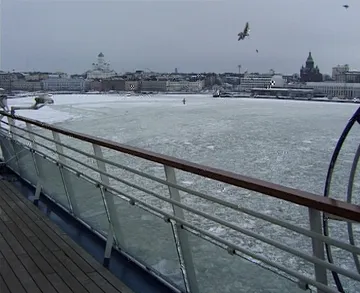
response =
{"points": [[254, 237]]}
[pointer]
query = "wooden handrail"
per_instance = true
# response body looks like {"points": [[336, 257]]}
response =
{"points": [[303, 198]]}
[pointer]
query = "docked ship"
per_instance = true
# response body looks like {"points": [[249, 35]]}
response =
{"points": [[221, 94]]}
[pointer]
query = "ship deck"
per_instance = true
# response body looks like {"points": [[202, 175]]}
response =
{"points": [[36, 256]]}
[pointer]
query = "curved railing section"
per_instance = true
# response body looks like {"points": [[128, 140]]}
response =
{"points": [[354, 120], [196, 228]]}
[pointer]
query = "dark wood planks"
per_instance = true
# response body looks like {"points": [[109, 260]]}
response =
{"points": [[36, 256]]}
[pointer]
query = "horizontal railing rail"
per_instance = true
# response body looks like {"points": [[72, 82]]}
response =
{"points": [[297, 229], [310, 200], [27, 139]]}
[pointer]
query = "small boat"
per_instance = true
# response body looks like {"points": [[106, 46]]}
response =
{"points": [[216, 94], [220, 94]]}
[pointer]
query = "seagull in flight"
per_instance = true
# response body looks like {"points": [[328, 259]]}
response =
{"points": [[245, 33], [346, 6]]}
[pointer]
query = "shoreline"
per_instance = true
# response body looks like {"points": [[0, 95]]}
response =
{"points": [[293, 99]]}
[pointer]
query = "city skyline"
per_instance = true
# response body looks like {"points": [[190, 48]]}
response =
{"points": [[196, 36]]}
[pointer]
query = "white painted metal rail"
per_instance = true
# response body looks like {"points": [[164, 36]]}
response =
{"points": [[217, 236]]}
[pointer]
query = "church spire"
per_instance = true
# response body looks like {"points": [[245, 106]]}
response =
{"points": [[310, 72], [310, 58], [310, 61]]}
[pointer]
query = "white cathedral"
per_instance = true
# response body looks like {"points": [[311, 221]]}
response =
{"points": [[100, 70]]}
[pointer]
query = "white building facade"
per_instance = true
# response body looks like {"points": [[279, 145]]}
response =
{"points": [[337, 89], [184, 85], [101, 69], [64, 84], [342, 73], [261, 81]]}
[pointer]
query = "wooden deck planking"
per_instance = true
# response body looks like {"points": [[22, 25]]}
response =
{"points": [[36, 256]]}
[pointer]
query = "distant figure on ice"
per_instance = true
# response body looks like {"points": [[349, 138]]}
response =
{"points": [[184, 101]]}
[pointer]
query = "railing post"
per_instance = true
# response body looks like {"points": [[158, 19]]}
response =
{"points": [[109, 200], [37, 165], [11, 126], [318, 246], [108, 247], [11, 130], [10, 151], [181, 233], [110, 237], [70, 194]]}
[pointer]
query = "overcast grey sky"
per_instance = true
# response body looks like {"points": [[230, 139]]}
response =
{"points": [[190, 35]]}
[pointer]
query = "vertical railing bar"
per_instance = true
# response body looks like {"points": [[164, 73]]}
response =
{"points": [[11, 126], [37, 164], [109, 246], [32, 143], [2, 146], [181, 233], [180, 256], [12, 139], [65, 185], [109, 199], [69, 192], [318, 247], [102, 191], [111, 239]]}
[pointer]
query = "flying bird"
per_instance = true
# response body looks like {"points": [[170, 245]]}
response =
{"points": [[257, 51], [346, 6], [245, 33]]}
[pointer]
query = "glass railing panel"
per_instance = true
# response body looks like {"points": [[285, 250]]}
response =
{"points": [[150, 239], [26, 164], [5, 151], [9, 154], [218, 271], [89, 202], [52, 183]]}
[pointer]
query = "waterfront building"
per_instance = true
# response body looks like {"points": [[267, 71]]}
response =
{"points": [[64, 84], [342, 73], [310, 73], [337, 89], [101, 69], [250, 81]]}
